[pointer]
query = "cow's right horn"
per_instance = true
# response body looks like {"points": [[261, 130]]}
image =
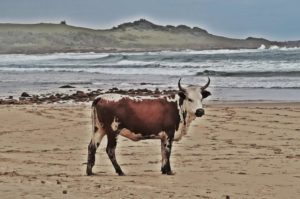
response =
{"points": [[179, 86], [207, 84]]}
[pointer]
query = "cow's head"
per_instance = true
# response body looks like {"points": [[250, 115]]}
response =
{"points": [[191, 98]]}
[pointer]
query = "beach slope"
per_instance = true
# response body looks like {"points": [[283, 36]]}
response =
{"points": [[236, 150]]}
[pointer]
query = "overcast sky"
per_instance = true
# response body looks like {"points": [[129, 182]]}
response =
{"points": [[273, 19]]}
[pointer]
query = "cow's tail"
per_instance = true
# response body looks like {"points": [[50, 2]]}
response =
{"points": [[94, 115], [93, 145]]}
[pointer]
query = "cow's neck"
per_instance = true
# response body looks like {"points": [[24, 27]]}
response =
{"points": [[185, 120]]}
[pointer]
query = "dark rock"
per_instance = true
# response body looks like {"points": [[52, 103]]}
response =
{"points": [[67, 86], [65, 97], [81, 94], [42, 99], [35, 98], [12, 101], [51, 97], [145, 90], [24, 94], [113, 90], [121, 91], [156, 91], [10, 97], [58, 95], [64, 191]]}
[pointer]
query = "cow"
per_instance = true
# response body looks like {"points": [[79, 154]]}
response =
{"points": [[137, 118]]}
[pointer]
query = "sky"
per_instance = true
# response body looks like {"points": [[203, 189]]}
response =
{"points": [[271, 19]]}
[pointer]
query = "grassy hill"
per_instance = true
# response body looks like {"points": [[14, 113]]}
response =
{"points": [[140, 35]]}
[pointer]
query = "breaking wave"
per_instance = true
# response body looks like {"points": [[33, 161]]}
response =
{"points": [[245, 68]]}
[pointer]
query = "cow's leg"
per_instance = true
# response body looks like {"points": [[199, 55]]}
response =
{"points": [[110, 150], [166, 146], [94, 144]]}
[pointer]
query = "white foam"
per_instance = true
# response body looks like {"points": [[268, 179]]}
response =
{"points": [[21, 58], [133, 63], [274, 47], [262, 47]]}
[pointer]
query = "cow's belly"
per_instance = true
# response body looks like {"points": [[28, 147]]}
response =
{"points": [[145, 128], [137, 136]]}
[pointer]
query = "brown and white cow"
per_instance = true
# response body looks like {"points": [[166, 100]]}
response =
{"points": [[137, 118]]}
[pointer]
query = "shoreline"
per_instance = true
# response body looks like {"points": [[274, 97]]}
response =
{"points": [[123, 51], [234, 76], [142, 50], [75, 96]]}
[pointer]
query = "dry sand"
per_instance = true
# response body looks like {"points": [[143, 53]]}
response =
{"points": [[247, 150]]}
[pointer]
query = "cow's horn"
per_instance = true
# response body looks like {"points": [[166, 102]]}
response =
{"points": [[179, 86], [207, 84]]}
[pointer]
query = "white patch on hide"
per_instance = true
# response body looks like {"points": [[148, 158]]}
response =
{"points": [[115, 124]]}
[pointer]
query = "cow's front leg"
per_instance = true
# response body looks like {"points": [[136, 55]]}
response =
{"points": [[110, 150], [166, 147]]}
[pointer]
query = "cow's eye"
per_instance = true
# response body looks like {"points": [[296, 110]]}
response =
{"points": [[190, 100]]}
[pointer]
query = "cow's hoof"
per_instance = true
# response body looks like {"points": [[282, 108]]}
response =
{"points": [[168, 173], [89, 171], [121, 174]]}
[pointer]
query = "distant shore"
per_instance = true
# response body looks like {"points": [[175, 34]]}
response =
{"points": [[137, 36]]}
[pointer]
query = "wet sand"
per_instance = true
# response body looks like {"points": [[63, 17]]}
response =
{"points": [[245, 150]]}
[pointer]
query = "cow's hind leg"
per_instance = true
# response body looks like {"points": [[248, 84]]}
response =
{"points": [[110, 150], [166, 146], [94, 144]]}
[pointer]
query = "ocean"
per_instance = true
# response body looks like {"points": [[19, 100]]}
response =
{"points": [[258, 74]]}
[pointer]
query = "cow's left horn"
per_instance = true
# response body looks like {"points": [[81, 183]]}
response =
{"points": [[207, 84], [179, 86]]}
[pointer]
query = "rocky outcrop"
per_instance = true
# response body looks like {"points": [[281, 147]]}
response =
{"points": [[78, 96]]}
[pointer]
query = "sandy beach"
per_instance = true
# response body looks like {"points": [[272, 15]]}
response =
{"points": [[246, 150]]}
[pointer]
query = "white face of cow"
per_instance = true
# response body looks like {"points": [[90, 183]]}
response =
{"points": [[193, 100], [192, 97]]}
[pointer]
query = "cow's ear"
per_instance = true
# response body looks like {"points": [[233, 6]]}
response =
{"points": [[181, 95], [205, 94]]}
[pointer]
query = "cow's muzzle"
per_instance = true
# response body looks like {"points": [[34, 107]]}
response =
{"points": [[199, 112]]}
